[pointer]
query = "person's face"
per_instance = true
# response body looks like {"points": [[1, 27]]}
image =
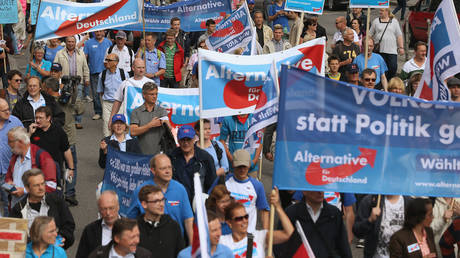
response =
{"points": [[42, 120], [383, 13], [396, 90], [355, 24], [370, 46], [120, 42], [155, 204], [414, 86], [170, 40], [339, 23], [353, 78], [4, 111], [203, 45], [139, 68], [334, 66], [258, 19], [150, 97], [128, 240], [186, 144], [119, 128], [163, 169], [50, 233], [175, 25], [239, 221], [99, 34], [150, 42], [314, 197], [348, 35], [55, 74], [110, 61], [223, 203], [36, 187], [454, 91], [33, 87], [369, 80], [12, 142], [54, 42], [429, 215], [251, 7], [211, 28], [278, 34], [313, 26], [108, 208], [207, 131], [241, 172], [420, 52], [15, 82], [38, 54], [70, 43], [356, 11], [214, 231]]}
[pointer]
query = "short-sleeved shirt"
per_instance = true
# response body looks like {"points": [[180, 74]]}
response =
{"points": [[120, 94], [344, 52], [149, 141], [376, 62], [153, 64], [125, 59], [239, 248], [223, 161], [5, 150], [251, 194], [45, 65], [54, 141], [282, 19], [50, 53], [177, 204], [111, 84], [95, 51], [388, 44]]}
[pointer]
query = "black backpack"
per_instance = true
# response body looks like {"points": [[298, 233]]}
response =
{"points": [[104, 73]]}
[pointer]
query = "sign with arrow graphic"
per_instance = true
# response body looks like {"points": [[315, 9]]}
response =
{"points": [[332, 136]]}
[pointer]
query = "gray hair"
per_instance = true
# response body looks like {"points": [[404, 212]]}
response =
{"points": [[111, 192], [19, 133]]}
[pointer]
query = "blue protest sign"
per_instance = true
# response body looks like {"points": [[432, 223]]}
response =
{"points": [[332, 136], [369, 3], [58, 18], [9, 12], [193, 15], [124, 172], [34, 11], [306, 6]]}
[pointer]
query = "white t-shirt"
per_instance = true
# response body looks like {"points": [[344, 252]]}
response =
{"points": [[119, 96], [239, 248], [338, 37], [123, 56], [392, 221]]}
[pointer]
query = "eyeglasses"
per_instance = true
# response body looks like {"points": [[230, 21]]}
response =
{"points": [[18, 80], [156, 201], [314, 24], [370, 79], [241, 218], [108, 60]]}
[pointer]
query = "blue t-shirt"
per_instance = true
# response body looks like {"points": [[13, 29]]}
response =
{"points": [[281, 19], [49, 252], [177, 204], [153, 64], [221, 252], [376, 62], [50, 53], [46, 65], [96, 54]]}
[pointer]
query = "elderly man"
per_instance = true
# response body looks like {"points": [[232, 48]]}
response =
{"points": [[7, 122], [27, 156], [264, 32], [39, 203], [99, 232], [341, 25], [346, 50], [109, 81], [125, 54], [177, 202], [125, 235], [374, 61]]}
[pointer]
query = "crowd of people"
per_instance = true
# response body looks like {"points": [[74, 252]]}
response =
{"points": [[38, 155]]}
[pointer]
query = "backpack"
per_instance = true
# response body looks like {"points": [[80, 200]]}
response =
{"points": [[219, 152], [130, 51], [122, 75]]}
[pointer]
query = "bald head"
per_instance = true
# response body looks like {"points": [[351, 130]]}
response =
{"points": [[108, 206], [4, 110], [138, 68], [340, 23]]}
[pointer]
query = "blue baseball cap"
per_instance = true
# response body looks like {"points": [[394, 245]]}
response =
{"points": [[250, 1], [118, 117], [185, 131]]}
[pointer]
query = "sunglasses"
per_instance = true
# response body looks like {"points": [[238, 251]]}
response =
{"points": [[108, 60], [370, 79], [18, 80], [241, 218]]}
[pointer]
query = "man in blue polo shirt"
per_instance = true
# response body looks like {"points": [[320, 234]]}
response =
{"points": [[278, 15], [95, 49], [177, 204], [155, 59], [376, 62]]}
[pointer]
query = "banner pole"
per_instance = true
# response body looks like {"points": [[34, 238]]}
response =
{"points": [[378, 200], [299, 31], [4, 51], [270, 232], [202, 134], [261, 157], [366, 44], [143, 31]]}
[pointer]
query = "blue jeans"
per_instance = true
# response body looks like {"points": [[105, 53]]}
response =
{"points": [[94, 78], [4, 196], [70, 187], [80, 94]]}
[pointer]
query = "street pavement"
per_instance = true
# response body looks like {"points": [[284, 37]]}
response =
{"points": [[88, 139]]}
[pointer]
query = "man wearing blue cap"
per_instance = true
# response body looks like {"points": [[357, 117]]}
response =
{"points": [[188, 159]]}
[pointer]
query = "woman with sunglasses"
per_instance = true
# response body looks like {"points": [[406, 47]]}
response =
{"points": [[237, 217]]}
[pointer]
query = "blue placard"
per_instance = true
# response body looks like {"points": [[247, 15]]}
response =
{"points": [[369, 3], [8, 12], [306, 6], [332, 136], [34, 11], [124, 172]]}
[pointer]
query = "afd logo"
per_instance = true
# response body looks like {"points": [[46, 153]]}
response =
{"points": [[442, 64], [439, 32]]}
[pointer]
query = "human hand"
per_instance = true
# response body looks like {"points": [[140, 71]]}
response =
{"points": [[374, 214], [220, 172], [33, 128], [19, 192], [275, 198], [269, 156], [155, 122], [103, 146], [401, 51]]}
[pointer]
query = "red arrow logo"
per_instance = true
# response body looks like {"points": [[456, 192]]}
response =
{"points": [[237, 27], [315, 172]]}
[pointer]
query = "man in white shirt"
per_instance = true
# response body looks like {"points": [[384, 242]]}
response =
{"points": [[416, 63], [341, 25], [124, 53]]}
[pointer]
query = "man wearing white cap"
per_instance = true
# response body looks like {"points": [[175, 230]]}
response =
{"points": [[124, 53]]}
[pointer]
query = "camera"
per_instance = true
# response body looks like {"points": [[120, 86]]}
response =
{"points": [[70, 84]]}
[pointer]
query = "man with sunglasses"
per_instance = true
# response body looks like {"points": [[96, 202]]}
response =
{"points": [[11, 94], [368, 78], [376, 62], [159, 233]]}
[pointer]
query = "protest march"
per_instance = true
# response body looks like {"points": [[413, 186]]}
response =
{"points": [[229, 128]]}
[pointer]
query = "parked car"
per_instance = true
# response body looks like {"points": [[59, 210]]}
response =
{"points": [[418, 19], [336, 4]]}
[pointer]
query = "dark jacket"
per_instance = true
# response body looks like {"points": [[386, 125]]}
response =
{"points": [[402, 239], [24, 111], [90, 239], [132, 145], [59, 210], [202, 163], [104, 251], [367, 230], [327, 237], [163, 240]]}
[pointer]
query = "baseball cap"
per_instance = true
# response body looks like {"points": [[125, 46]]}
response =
{"points": [[120, 34], [241, 158], [185, 131], [56, 67], [250, 1], [118, 117], [352, 68], [453, 81]]}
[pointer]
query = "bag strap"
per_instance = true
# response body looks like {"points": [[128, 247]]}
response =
{"points": [[104, 73], [249, 247], [122, 74], [218, 152], [385, 30]]}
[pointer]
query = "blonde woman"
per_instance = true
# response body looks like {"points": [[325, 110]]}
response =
{"points": [[396, 85]]}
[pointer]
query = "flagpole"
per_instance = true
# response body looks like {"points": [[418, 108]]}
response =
{"points": [[366, 44], [259, 175], [202, 134], [270, 232], [4, 50], [299, 31], [143, 30], [378, 200]]}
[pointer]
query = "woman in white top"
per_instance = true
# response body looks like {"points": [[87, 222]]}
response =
{"points": [[391, 43], [237, 217]]}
